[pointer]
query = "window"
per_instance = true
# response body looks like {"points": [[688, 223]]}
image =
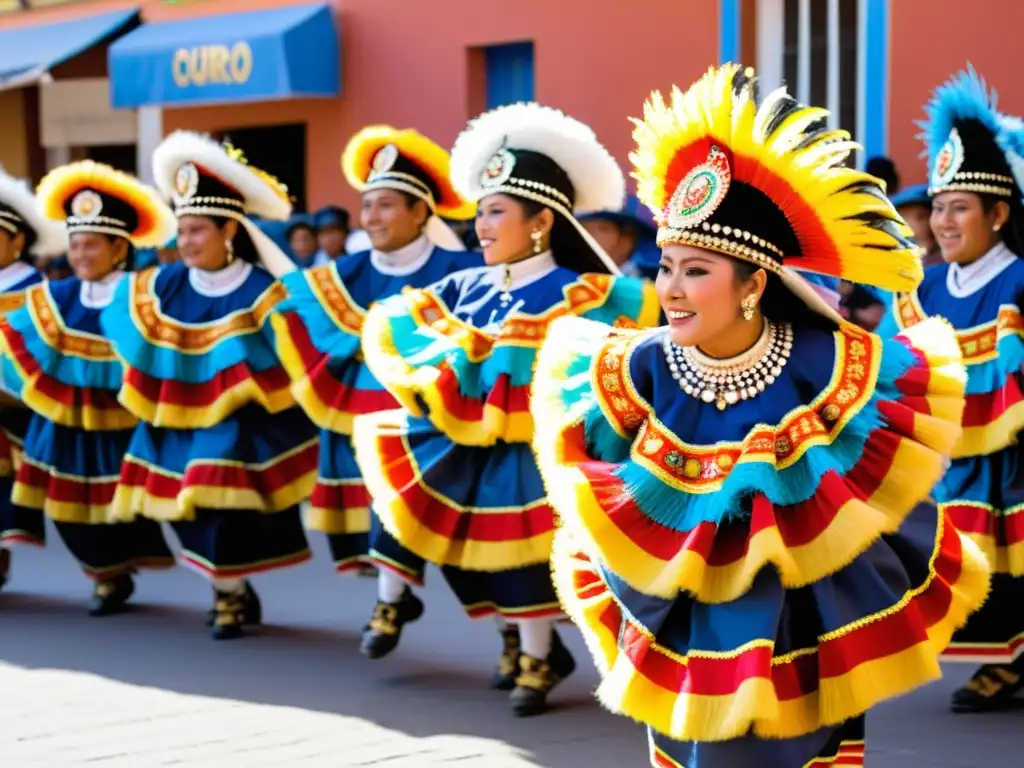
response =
{"points": [[280, 150], [508, 73], [815, 48]]}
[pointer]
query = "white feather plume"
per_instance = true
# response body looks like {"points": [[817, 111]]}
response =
{"points": [[261, 198], [597, 179], [51, 236]]}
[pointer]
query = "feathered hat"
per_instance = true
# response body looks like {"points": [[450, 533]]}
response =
{"points": [[540, 154], [382, 157], [203, 177], [92, 197], [767, 184], [971, 147], [20, 214]]}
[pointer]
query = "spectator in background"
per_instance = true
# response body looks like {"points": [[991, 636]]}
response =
{"points": [[332, 228], [883, 168], [302, 240], [914, 205], [627, 236]]}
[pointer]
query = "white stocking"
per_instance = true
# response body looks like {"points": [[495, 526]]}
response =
{"points": [[535, 637], [390, 586]]}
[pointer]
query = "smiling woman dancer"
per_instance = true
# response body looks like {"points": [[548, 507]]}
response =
{"points": [[60, 363], [221, 450], [24, 232], [977, 191], [453, 478], [742, 542]]}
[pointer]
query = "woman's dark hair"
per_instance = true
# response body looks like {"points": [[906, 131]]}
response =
{"points": [[781, 305], [244, 248], [563, 238], [1012, 233], [411, 200], [129, 255], [30, 241]]}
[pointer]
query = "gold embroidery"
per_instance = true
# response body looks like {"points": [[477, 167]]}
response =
{"points": [[56, 335], [157, 326]]}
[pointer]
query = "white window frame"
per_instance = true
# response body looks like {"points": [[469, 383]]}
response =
{"points": [[771, 42]]}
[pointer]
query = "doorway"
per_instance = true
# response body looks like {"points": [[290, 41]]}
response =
{"points": [[280, 150]]}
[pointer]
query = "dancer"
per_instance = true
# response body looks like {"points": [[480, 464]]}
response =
{"points": [[453, 477], [742, 542], [24, 233], [976, 185], [60, 363], [221, 451], [403, 178]]}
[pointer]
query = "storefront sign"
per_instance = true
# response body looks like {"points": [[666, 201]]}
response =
{"points": [[214, 64], [282, 53]]}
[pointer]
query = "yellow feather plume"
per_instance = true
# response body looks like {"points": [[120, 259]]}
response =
{"points": [[844, 224]]}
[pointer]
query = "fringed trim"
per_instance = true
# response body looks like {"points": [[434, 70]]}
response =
{"points": [[720, 696], [992, 422], [434, 526], [63, 497], [274, 486], [997, 533], [805, 541], [319, 379]]}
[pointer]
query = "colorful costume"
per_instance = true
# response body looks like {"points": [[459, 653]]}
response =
{"points": [[221, 450], [43, 238], [61, 364], [453, 477], [742, 543], [320, 324], [974, 149]]}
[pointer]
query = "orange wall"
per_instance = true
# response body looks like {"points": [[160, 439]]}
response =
{"points": [[406, 62], [930, 43]]}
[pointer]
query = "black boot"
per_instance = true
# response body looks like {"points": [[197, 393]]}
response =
{"points": [[992, 688], [381, 635], [504, 677], [253, 610], [5, 566], [537, 678], [111, 595], [233, 610]]}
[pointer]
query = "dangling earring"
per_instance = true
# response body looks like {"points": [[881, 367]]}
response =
{"points": [[749, 304], [536, 236], [17, 255], [230, 249], [996, 227]]}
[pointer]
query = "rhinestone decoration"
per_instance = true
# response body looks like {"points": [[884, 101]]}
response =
{"points": [[949, 160], [384, 160], [700, 192], [186, 183], [498, 169], [727, 382], [87, 204]]}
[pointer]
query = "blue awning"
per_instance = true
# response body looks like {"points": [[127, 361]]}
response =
{"points": [[284, 53], [27, 54]]}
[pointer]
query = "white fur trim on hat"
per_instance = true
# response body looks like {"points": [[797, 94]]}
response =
{"points": [[51, 236], [261, 197], [596, 177]]}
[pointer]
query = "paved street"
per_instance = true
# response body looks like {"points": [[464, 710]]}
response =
{"points": [[149, 688]]}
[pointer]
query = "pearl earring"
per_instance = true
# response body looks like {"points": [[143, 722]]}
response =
{"points": [[230, 249], [536, 236], [749, 304]]}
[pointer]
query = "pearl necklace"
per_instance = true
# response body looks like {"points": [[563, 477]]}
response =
{"points": [[727, 382]]}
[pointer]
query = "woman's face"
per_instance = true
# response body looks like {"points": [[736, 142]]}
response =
{"points": [[202, 244], [303, 243], [93, 256], [390, 220], [505, 231], [701, 298], [961, 227], [11, 247]]}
